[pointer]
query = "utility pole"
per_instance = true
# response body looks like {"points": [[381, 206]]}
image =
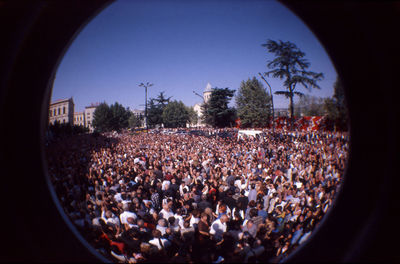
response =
{"points": [[272, 102], [145, 102]]}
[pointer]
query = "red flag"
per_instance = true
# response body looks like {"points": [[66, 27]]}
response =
{"points": [[238, 123]]}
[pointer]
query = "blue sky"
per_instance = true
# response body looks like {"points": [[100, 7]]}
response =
{"points": [[180, 46]]}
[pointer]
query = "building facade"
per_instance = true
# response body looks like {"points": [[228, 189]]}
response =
{"points": [[79, 118], [140, 115], [89, 116], [62, 111], [282, 112], [197, 107]]}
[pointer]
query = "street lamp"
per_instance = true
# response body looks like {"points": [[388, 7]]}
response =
{"points": [[272, 102], [199, 95], [202, 97], [145, 102]]}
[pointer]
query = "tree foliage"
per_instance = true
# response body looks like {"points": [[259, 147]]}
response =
{"points": [[162, 100], [253, 104], [154, 113], [175, 114], [120, 116], [336, 107], [156, 108], [290, 65], [102, 118], [108, 118], [216, 112], [59, 130]]}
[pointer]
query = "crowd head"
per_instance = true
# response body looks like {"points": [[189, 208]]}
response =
{"points": [[155, 197]]}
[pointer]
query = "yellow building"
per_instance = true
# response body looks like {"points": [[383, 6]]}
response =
{"points": [[79, 118], [62, 111]]}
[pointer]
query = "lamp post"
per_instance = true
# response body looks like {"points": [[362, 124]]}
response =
{"points": [[272, 102], [145, 102], [202, 97], [199, 95]]}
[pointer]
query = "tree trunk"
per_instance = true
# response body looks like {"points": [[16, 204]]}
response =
{"points": [[291, 109]]}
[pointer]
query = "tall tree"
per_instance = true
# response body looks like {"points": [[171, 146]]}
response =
{"points": [[107, 118], [175, 114], [216, 110], [253, 104], [162, 100], [102, 118], [290, 65], [120, 117], [155, 109], [336, 107], [154, 113]]}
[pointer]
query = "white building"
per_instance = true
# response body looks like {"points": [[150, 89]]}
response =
{"points": [[197, 107], [140, 115]]}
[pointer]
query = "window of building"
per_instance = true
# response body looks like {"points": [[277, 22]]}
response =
{"points": [[54, 112], [64, 110], [59, 111], [50, 113], [64, 121]]}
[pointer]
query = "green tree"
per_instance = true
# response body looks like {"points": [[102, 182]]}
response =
{"points": [[253, 104], [216, 110], [120, 117], [155, 109], [108, 118], [154, 113], [193, 118], [336, 107], [289, 64], [58, 129], [162, 101], [102, 118], [175, 115]]}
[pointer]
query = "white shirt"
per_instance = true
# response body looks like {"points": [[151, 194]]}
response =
{"points": [[156, 242], [125, 215], [165, 214], [161, 229], [118, 197], [112, 220], [179, 220], [217, 229], [194, 220]]}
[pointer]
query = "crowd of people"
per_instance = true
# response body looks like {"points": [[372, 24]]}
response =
{"points": [[155, 197]]}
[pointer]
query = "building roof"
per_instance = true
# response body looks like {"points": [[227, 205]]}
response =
{"points": [[61, 101], [93, 105]]}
